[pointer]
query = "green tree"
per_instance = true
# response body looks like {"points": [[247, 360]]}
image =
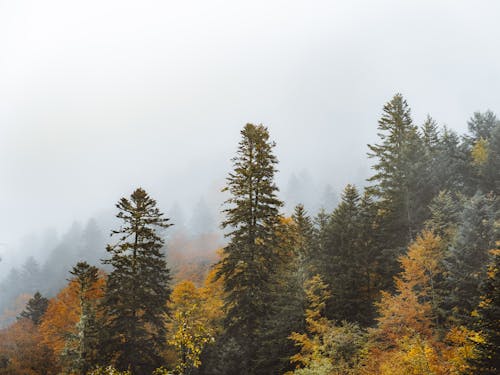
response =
{"points": [[137, 288], [343, 271], [250, 259], [397, 172], [398, 185], [487, 321], [445, 215], [468, 256], [288, 297], [490, 169], [35, 308]]}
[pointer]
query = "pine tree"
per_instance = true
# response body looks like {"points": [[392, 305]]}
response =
{"points": [[487, 321], [490, 171], [138, 287], [397, 173], [288, 298], [250, 259], [80, 353], [445, 215], [35, 308], [343, 272], [305, 251], [481, 126], [466, 261], [452, 169]]}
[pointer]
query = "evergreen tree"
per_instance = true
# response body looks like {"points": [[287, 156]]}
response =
{"points": [[452, 169], [481, 126], [250, 259], [397, 173], [487, 321], [445, 215], [35, 308], [490, 169], [319, 253], [466, 262], [343, 272], [288, 302], [80, 353], [304, 229], [138, 287]]}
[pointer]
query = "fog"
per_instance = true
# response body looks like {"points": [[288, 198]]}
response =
{"points": [[100, 97]]}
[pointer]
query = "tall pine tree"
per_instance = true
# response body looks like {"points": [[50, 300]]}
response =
{"points": [[250, 259], [138, 287], [397, 186]]}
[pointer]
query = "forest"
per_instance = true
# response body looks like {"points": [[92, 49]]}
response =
{"points": [[401, 277]]}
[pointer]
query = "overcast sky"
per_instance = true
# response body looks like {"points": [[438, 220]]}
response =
{"points": [[99, 97]]}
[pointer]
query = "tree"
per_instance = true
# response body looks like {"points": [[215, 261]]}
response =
{"points": [[445, 216], [397, 172], [490, 168], [288, 299], [487, 319], [250, 258], [325, 348], [137, 287], [465, 264], [62, 322], [35, 308], [188, 326], [410, 309], [22, 351], [80, 352], [346, 271]]}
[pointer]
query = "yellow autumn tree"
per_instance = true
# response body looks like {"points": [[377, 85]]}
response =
{"points": [[187, 326]]}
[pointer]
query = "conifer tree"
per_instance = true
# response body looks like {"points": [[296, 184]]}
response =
{"points": [[487, 321], [288, 299], [466, 262], [250, 259], [397, 173], [138, 287], [343, 271], [399, 187], [35, 308], [490, 171], [452, 165], [80, 353], [305, 246], [445, 216]]}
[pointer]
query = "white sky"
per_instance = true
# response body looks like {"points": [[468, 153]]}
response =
{"points": [[98, 97]]}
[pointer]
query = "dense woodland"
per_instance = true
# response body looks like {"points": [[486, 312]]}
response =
{"points": [[402, 277]]}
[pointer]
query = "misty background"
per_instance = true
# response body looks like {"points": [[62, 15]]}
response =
{"points": [[100, 97]]}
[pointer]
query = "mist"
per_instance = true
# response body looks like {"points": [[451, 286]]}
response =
{"points": [[98, 98]]}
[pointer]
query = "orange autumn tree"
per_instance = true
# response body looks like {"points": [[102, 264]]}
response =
{"points": [[409, 310], [64, 312], [22, 350], [404, 341]]}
